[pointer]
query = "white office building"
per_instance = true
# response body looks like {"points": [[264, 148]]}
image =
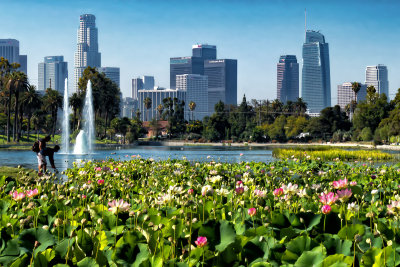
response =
{"points": [[378, 77], [87, 52], [140, 83], [196, 88], [346, 95]]}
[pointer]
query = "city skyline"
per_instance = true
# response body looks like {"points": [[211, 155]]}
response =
{"points": [[241, 26]]}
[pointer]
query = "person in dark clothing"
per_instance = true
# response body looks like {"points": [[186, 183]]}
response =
{"points": [[38, 148], [47, 152]]}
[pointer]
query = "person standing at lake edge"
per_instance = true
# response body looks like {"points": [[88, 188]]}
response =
{"points": [[48, 152], [38, 148]]}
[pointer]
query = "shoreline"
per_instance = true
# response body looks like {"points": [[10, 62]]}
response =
{"points": [[179, 143]]}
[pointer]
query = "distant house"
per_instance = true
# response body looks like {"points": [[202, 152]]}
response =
{"points": [[151, 130]]}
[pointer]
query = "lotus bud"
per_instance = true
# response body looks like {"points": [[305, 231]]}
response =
{"points": [[170, 239], [173, 227], [99, 221], [151, 224], [83, 221], [45, 227], [194, 220], [58, 222]]}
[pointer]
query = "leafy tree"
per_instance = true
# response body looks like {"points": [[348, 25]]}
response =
{"points": [[331, 120], [75, 102], [241, 121], [160, 109], [276, 130], [17, 83], [52, 101], [295, 126], [371, 112], [32, 101], [217, 123]]}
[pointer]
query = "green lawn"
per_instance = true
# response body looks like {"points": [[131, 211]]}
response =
{"points": [[30, 141], [13, 172]]}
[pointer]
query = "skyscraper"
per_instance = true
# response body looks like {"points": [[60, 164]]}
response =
{"points": [[52, 73], [111, 72], [287, 78], [316, 81], [204, 51], [346, 95], [196, 88], [143, 82], [185, 65], [378, 77], [222, 82], [9, 49], [87, 52]]}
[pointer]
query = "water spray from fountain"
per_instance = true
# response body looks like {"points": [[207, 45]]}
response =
{"points": [[85, 138], [65, 123]]}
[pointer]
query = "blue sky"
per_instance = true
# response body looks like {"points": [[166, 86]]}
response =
{"points": [[140, 36]]}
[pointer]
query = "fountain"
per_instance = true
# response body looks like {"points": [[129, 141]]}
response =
{"points": [[84, 140], [65, 123]]}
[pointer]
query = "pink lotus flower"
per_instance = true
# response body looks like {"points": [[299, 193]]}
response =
{"points": [[278, 192], [84, 196], [201, 241], [32, 193], [97, 169], [340, 184], [259, 193], [100, 182], [241, 154], [17, 196], [344, 195], [118, 206], [239, 190], [252, 212], [239, 184], [328, 199], [326, 209], [190, 191], [353, 183]]}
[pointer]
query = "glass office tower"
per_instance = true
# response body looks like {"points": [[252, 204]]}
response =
{"points": [[287, 78], [316, 81]]}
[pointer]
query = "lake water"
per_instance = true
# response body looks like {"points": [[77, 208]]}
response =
{"points": [[199, 153]]}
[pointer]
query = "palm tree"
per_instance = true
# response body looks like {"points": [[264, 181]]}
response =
{"points": [[355, 86], [31, 101], [17, 83], [301, 106], [147, 105], [52, 102], [160, 109], [75, 101], [192, 107], [38, 120]]}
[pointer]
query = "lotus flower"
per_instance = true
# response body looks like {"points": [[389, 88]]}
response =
{"points": [[344, 195], [290, 188], [201, 241], [278, 192], [207, 190], [326, 209], [17, 196], [100, 182], [252, 212], [118, 206], [340, 184], [239, 190], [32, 193], [328, 199], [190, 191]]}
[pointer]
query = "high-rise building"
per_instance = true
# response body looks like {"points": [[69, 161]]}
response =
{"points": [[52, 73], [157, 96], [204, 51], [137, 84], [378, 77], [287, 78], [129, 106], [222, 82], [346, 95], [23, 61], [193, 64], [148, 82], [9, 49], [111, 72], [87, 52], [316, 81], [143, 82], [196, 88], [185, 65]]}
